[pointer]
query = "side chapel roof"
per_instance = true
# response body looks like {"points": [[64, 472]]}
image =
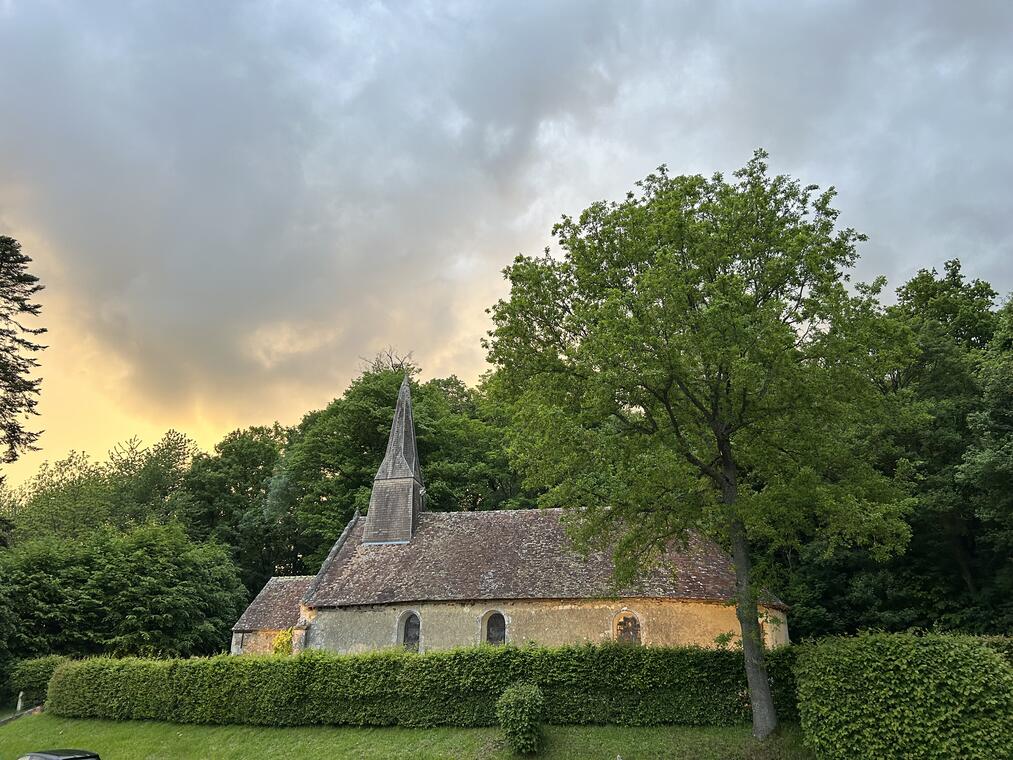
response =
{"points": [[276, 606]]}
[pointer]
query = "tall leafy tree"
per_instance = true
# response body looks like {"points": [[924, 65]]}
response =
{"points": [[692, 360], [75, 495], [19, 390], [224, 497], [987, 470]]}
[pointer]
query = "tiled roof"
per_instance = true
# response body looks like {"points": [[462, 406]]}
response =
{"points": [[277, 604], [509, 554]]}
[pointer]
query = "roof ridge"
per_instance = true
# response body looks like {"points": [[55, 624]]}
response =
{"points": [[496, 511], [331, 555]]}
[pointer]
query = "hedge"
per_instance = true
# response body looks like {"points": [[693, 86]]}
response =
{"points": [[607, 684], [890, 696], [32, 677]]}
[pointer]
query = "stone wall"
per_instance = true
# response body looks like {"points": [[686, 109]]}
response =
{"points": [[663, 622], [254, 642]]}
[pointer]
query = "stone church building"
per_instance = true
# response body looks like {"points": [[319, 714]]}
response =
{"points": [[405, 577]]}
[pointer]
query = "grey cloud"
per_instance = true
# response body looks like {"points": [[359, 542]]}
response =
{"points": [[242, 195]]}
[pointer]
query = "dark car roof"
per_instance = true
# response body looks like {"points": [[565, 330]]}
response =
{"points": [[61, 754]]}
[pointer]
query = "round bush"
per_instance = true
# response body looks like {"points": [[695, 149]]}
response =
{"points": [[889, 696], [519, 711]]}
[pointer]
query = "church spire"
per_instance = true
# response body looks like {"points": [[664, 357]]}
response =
{"points": [[396, 500], [402, 458]]}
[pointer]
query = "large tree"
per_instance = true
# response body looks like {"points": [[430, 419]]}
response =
{"points": [[19, 390], [224, 497], [693, 360], [76, 495], [988, 472]]}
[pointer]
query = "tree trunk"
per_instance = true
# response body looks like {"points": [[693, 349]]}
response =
{"points": [[957, 529], [760, 697]]}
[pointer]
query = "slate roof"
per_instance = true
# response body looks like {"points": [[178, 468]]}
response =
{"points": [[507, 554], [276, 606]]}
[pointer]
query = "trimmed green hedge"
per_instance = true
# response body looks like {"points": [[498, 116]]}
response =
{"points": [[888, 696], [32, 677], [608, 684]]}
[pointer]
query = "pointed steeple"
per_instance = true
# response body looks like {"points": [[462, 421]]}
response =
{"points": [[397, 496], [402, 458]]}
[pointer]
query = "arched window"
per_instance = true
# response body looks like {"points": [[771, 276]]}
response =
{"points": [[495, 629], [627, 628], [410, 632]]}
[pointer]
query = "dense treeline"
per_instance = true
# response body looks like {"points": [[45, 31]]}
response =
{"points": [[155, 550], [950, 423]]}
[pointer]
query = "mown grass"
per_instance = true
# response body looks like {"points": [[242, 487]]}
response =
{"points": [[154, 741]]}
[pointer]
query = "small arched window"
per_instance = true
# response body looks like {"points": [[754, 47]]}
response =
{"points": [[627, 628], [495, 629], [410, 632]]}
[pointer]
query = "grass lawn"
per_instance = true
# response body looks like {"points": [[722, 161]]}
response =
{"points": [[146, 741]]}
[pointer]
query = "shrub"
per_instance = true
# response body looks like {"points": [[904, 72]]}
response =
{"points": [[282, 643], [519, 711], [608, 684], [84, 596], [902, 696], [32, 677]]}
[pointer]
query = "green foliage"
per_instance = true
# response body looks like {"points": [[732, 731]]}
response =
{"points": [[694, 358], [887, 696], [75, 496], [8, 629], [519, 712], [147, 591], [700, 326], [1002, 645], [32, 677], [223, 497], [613, 684], [947, 415]]}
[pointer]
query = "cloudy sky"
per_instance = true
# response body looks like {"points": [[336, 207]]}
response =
{"points": [[231, 203]]}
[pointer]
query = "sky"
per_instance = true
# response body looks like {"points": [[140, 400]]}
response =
{"points": [[232, 204]]}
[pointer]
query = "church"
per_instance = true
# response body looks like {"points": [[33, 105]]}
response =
{"points": [[405, 577]]}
